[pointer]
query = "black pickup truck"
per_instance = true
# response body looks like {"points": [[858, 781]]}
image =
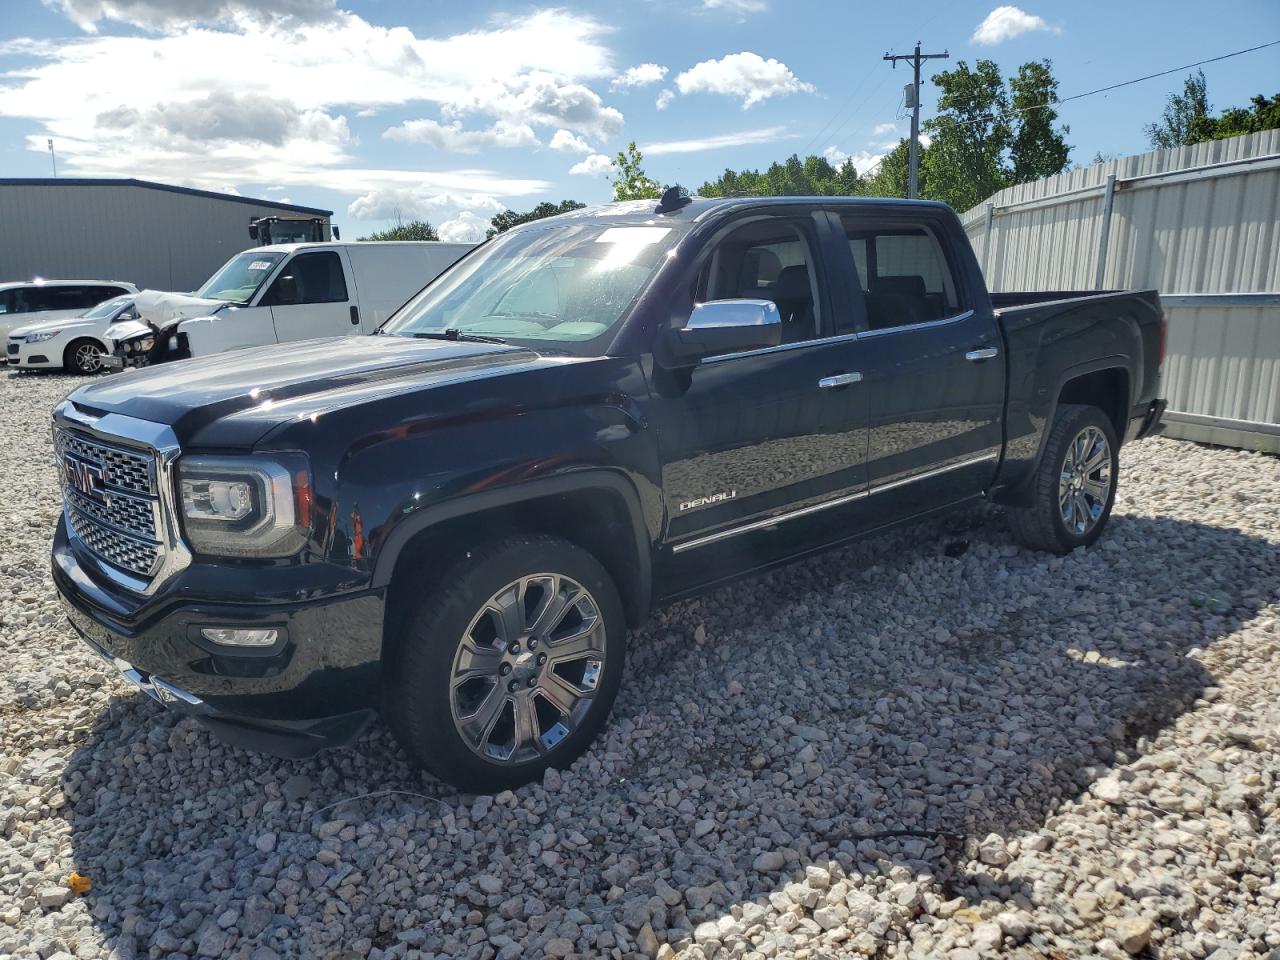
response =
{"points": [[453, 522]]}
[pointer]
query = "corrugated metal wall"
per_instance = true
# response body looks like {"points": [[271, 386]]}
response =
{"points": [[163, 239], [1202, 225]]}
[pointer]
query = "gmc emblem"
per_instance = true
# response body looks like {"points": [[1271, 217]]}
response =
{"points": [[85, 477]]}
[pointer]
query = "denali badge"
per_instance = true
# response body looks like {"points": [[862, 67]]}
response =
{"points": [[707, 501], [85, 477]]}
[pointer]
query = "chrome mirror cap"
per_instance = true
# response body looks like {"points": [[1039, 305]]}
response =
{"points": [[725, 326], [734, 313]]}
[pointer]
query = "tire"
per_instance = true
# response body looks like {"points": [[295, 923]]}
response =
{"points": [[481, 700], [83, 357], [1070, 512]]}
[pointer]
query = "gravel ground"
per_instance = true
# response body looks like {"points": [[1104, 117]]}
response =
{"points": [[884, 751]]}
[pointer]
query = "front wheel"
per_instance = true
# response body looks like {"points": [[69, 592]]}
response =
{"points": [[508, 665], [1075, 483], [84, 357]]}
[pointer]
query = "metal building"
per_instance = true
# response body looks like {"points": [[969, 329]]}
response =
{"points": [[1202, 225], [152, 234]]}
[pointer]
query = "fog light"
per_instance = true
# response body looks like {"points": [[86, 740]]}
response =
{"points": [[239, 638]]}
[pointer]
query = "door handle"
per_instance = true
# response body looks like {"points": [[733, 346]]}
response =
{"points": [[355, 315], [982, 353], [839, 380]]}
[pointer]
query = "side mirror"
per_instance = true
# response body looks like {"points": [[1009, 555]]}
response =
{"points": [[726, 326], [253, 231], [336, 234], [285, 290]]}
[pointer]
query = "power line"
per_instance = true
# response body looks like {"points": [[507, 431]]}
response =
{"points": [[816, 140], [1090, 93]]}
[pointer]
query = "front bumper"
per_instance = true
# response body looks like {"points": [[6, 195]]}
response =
{"points": [[316, 687], [45, 355]]}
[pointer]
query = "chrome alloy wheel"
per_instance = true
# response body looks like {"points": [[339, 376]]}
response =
{"points": [[88, 358], [1085, 482], [527, 668]]}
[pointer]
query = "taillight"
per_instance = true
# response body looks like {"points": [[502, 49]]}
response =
{"points": [[1164, 337]]}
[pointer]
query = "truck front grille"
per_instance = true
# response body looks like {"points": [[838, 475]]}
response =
{"points": [[111, 501]]}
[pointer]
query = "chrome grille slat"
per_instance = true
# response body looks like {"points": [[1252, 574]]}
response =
{"points": [[129, 470], [128, 553], [121, 528], [134, 517]]}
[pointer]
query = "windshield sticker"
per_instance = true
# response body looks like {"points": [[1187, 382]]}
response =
{"points": [[260, 265], [635, 235]]}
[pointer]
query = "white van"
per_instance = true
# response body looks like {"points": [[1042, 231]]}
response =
{"points": [[27, 302], [282, 293]]}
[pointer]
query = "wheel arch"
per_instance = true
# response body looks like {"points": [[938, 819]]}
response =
{"points": [[597, 510], [1106, 383], [67, 351]]}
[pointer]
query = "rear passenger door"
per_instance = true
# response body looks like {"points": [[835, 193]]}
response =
{"points": [[313, 296], [931, 364]]}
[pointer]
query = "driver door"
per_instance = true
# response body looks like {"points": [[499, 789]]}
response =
{"points": [[313, 296]]}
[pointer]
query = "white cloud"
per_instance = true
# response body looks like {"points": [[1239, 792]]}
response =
{"points": [[741, 138], [862, 160], [639, 76], [172, 14], [746, 75], [740, 7], [884, 129], [224, 116], [595, 165], [1005, 23], [453, 137], [389, 203], [541, 97], [140, 86], [664, 98], [565, 141], [466, 227]]}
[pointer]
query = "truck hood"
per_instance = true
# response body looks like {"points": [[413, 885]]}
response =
{"points": [[235, 398], [161, 308]]}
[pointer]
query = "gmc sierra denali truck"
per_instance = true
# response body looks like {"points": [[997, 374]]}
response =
{"points": [[453, 522]]}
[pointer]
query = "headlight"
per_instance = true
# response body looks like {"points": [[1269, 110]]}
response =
{"points": [[42, 337], [244, 506]]}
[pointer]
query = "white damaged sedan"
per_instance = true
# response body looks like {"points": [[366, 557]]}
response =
{"points": [[76, 344]]}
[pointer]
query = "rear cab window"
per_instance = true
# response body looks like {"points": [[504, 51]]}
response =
{"points": [[903, 272]]}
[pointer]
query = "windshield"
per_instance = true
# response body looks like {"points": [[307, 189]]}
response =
{"points": [[108, 309], [240, 277], [560, 284]]}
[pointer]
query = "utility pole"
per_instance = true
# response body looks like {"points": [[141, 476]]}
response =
{"points": [[53, 159], [914, 155]]}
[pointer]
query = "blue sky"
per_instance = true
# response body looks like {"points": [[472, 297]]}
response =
{"points": [[379, 108]]}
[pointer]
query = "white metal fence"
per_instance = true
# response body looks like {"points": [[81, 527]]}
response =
{"points": [[1202, 225]]}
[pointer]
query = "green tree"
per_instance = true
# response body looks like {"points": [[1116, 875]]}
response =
{"points": [[507, 219], [889, 178], [413, 230], [813, 176], [629, 179], [969, 136], [1037, 149], [1185, 118], [1263, 113]]}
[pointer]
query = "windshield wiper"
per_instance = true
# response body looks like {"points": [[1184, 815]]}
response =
{"points": [[453, 333]]}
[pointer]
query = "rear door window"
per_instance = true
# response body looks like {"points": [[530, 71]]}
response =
{"points": [[904, 274]]}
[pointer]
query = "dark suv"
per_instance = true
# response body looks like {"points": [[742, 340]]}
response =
{"points": [[454, 521]]}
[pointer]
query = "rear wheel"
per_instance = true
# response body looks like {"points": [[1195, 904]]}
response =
{"points": [[509, 666], [1075, 483], [83, 357]]}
